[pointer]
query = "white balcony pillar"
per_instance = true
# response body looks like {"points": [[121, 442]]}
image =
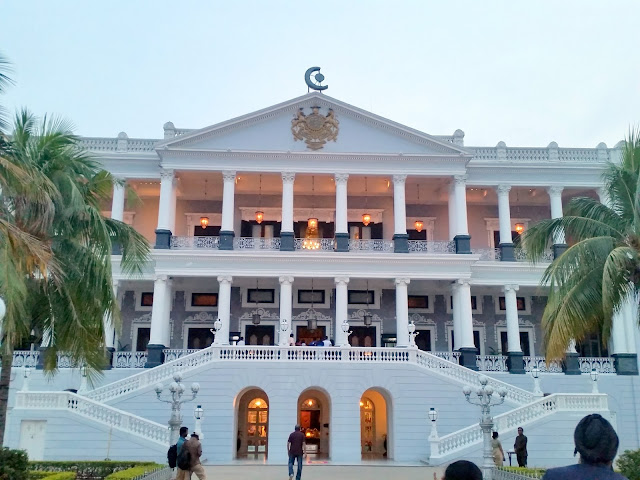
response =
{"points": [[455, 310], [160, 320], [452, 213], [504, 214], [117, 202], [631, 323], [402, 312], [286, 232], [555, 197], [228, 208], [515, 360], [342, 314], [110, 334], [342, 226], [462, 238], [400, 237], [618, 332], [224, 310], [286, 292], [467, 346], [625, 320], [166, 206]]}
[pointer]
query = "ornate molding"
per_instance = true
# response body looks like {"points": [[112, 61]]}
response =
{"points": [[146, 318], [229, 176], [288, 177], [508, 287], [555, 191], [341, 178], [359, 315], [167, 174], [399, 180], [200, 317], [286, 280], [312, 313], [225, 279], [402, 281], [503, 189], [341, 280], [264, 314]]}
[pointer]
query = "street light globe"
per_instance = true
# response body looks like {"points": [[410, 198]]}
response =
{"points": [[466, 390], [489, 390], [502, 392], [535, 372], [177, 377], [594, 374], [173, 387], [412, 327], [195, 387], [433, 414], [198, 412], [159, 389], [345, 326], [483, 380]]}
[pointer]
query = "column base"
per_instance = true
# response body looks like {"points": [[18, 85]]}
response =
{"points": [[626, 363], [401, 243], [287, 243], [109, 358], [559, 249], [342, 242], [463, 244], [468, 358], [571, 365], [507, 252], [155, 356], [163, 239], [515, 362], [226, 240], [43, 353]]}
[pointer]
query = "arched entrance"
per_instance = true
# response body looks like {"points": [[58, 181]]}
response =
{"points": [[374, 426], [253, 425], [313, 418]]}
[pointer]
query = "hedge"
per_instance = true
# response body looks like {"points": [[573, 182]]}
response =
{"points": [[85, 469], [134, 472], [524, 471], [52, 475]]}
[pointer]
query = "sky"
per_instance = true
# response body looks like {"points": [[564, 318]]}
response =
{"points": [[523, 72]]}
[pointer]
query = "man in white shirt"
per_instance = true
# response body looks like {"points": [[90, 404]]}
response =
{"points": [[326, 342], [241, 341]]}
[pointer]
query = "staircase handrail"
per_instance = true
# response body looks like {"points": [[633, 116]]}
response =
{"points": [[557, 402], [96, 411]]}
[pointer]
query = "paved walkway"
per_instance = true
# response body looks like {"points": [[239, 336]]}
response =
{"points": [[317, 472]]}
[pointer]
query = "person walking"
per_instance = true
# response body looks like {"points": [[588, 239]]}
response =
{"points": [[295, 449], [597, 443], [496, 450], [182, 474], [520, 447], [195, 450]]}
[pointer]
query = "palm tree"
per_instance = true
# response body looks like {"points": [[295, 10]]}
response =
{"points": [[601, 268], [65, 290]]}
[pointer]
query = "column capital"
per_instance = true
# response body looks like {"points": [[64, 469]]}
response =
{"points": [[288, 177], [463, 282], [286, 280], [341, 177], [167, 174], [402, 281], [509, 287], [503, 189], [555, 191], [341, 280], [399, 179], [225, 279], [162, 278], [229, 176], [460, 180]]}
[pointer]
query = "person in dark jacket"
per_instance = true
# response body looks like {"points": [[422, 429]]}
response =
{"points": [[520, 447], [597, 443]]}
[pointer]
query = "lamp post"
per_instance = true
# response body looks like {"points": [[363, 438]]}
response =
{"points": [[347, 332], [26, 373], [485, 401], [535, 373], [198, 414], [83, 388], [433, 416], [175, 399], [594, 376], [412, 334]]}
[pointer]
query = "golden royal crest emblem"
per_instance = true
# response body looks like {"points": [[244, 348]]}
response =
{"points": [[315, 129]]}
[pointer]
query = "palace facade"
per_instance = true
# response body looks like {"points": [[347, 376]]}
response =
{"points": [[311, 219]]}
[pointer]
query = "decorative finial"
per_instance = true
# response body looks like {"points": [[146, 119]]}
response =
{"points": [[314, 82]]}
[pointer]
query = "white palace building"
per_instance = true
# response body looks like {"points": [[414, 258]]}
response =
{"points": [[317, 218]]}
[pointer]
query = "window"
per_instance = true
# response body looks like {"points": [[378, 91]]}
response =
{"points": [[418, 301], [204, 299], [361, 297], [199, 338], [479, 337], [308, 297], [592, 346], [525, 344], [476, 304], [521, 303], [143, 334], [424, 339], [476, 341], [255, 295], [146, 299]]}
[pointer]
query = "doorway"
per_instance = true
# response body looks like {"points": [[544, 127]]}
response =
{"points": [[374, 426], [253, 425], [32, 433], [259, 334], [313, 418]]}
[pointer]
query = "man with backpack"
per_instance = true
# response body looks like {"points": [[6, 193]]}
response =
{"points": [[181, 474]]}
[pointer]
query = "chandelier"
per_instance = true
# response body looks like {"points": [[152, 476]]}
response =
{"points": [[311, 238], [366, 218], [418, 223], [519, 228], [260, 213]]}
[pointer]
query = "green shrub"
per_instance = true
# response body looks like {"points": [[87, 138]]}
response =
{"points": [[84, 469], [14, 464], [629, 464], [525, 471], [52, 475], [134, 472]]}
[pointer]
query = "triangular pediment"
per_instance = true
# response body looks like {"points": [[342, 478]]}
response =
{"points": [[355, 131]]}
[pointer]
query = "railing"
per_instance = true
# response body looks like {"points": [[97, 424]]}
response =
{"points": [[129, 359], [195, 242], [323, 244], [500, 474], [553, 367], [601, 364], [494, 254], [492, 363], [175, 353], [78, 404], [422, 246], [527, 414], [488, 253], [371, 246], [251, 243], [164, 473], [580, 155], [216, 353], [521, 255], [450, 356], [25, 358]]}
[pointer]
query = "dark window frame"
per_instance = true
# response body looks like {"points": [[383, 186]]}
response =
{"points": [[426, 303], [301, 293], [193, 299], [144, 299], [369, 293], [258, 291]]}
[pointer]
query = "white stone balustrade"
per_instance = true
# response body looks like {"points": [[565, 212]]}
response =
{"points": [[601, 364], [423, 246], [375, 245], [195, 242], [25, 358], [129, 359], [540, 362], [251, 243], [171, 354], [492, 363]]}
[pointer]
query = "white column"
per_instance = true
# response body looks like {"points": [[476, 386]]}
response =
{"points": [[117, 202], [513, 328], [228, 198], [630, 322], [466, 318], [341, 180], [399, 206], [224, 310], [603, 196], [460, 192], [160, 313], [167, 182], [287, 201], [285, 308], [342, 298], [618, 332], [457, 334], [555, 196], [452, 212], [504, 213], [402, 312], [172, 207]]}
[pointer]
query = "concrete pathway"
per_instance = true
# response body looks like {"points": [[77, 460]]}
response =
{"points": [[317, 472]]}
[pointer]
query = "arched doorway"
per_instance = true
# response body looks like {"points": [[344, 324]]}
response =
{"points": [[374, 426], [253, 425], [313, 418]]}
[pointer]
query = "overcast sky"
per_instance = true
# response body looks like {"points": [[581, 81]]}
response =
{"points": [[525, 72]]}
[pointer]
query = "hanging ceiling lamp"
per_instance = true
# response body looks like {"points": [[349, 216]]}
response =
{"points": [[367, 317], [366, 217], [418, 224], [312, 322], [519, 225], [255, 318], [311, 239], [204, 221], [260, 213], [519, 228]]}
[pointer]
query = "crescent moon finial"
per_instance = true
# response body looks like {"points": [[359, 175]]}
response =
{"points": [[318, 77]]}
